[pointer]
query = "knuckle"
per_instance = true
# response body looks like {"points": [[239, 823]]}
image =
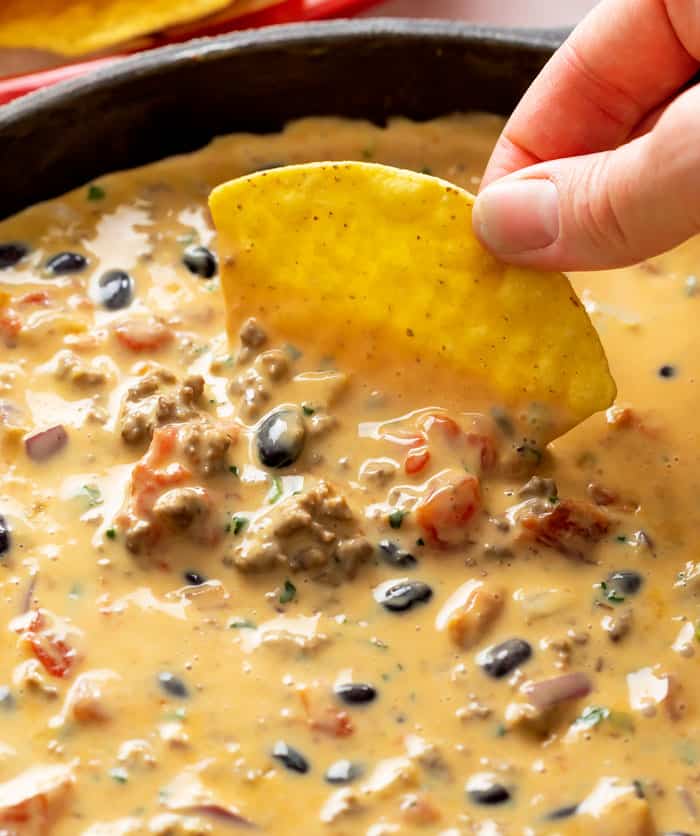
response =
{"points": [[597, 202]]}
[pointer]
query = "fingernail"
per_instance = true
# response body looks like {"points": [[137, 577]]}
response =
{"points": [[517, 216]]}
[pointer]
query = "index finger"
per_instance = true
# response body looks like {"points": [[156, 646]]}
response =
{"points": [[623, 60]]}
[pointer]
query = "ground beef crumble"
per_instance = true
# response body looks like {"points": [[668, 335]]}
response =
{"points": [[314, 531], [156, 400]]}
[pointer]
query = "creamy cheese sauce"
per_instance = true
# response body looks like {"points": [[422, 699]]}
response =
{"points": [[194, 642]]}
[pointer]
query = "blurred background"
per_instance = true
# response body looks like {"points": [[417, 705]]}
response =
{"points": [[501, 12], [47, 41]]}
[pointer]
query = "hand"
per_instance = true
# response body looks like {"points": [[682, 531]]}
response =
{"points": [[599, 165]]}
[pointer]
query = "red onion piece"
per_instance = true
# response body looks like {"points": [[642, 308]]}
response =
{"points": [[551, 692], [45, 444]]}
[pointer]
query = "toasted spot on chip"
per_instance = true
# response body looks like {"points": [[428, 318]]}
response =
{"points": [[348, 253]]}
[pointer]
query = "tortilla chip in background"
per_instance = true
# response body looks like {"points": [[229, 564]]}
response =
{"points": [[379, 267], [77, 27]]}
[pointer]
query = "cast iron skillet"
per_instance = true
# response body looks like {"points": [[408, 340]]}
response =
{"points": [[177, 98]]}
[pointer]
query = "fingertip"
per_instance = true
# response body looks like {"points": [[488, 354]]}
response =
{"points": [[514, 217]]}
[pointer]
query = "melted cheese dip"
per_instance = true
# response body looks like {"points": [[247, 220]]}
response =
{"points": [[240, 588]]}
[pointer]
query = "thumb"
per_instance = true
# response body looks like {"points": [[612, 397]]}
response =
{"points": [[600, 210]]}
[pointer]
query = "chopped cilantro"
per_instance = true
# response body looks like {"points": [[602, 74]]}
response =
{"points": [[420, 541], [292, 351], [288, 593], [697, 630], [276, 490], [530, 453], [95, 192], [241, 624], [233, 469], [111, 534], [239, 523], [75, 591], [621, 538], [553, 499], [92, 494], [119, 774], [396, 518], [591, 716], [307, 410], [500, 730], [367, 153], [426, 170], [611, 594]]}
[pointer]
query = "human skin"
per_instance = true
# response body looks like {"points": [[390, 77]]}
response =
{"points": [[599, 165]]}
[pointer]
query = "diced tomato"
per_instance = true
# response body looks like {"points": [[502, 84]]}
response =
{"points": [[54, 653], [485, 444], [450, 429], [334, 723], [35, 297], [448, 509], [143, 334], [10, 324], [417, 458]]}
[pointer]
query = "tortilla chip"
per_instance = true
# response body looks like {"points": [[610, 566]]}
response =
{"points": [[351, 254], [76, 27]]}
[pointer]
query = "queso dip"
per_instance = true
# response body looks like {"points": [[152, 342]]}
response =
{"points": [[243, 589]]}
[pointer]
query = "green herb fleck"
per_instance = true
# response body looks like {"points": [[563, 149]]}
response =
{"points": [[500, 730], [611, 594], [530, 453], [276, 490], [426, 170], [292, 351], [697, 630], [242, 624], [420, 541], [592, 715], [119, 774], [111, 534], [233, 469], [288, 593], [76, 591], [307, 410], [553, 500], [95, 192], [396, 518], [188, 239], [92, 494], [367, 153], [239, 523], [621, 538]]}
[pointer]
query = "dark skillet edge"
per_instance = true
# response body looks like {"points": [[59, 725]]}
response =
{"points": [[177, 98]]}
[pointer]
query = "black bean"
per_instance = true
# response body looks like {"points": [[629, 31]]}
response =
{"points": [[7, 701], [66, 262], [194, 578], [280, 438], [5, 540], [562, 812], [173, 685], [115, 289], [395, 555], [356, 692], [200, 261], [11, 253], [484, 789], [625, 581], [290, 757], [501, 659], [402, 595], [342, 772]]}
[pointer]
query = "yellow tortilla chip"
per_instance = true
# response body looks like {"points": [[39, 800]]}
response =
{"points": [[76, 27], [341, 255]]}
